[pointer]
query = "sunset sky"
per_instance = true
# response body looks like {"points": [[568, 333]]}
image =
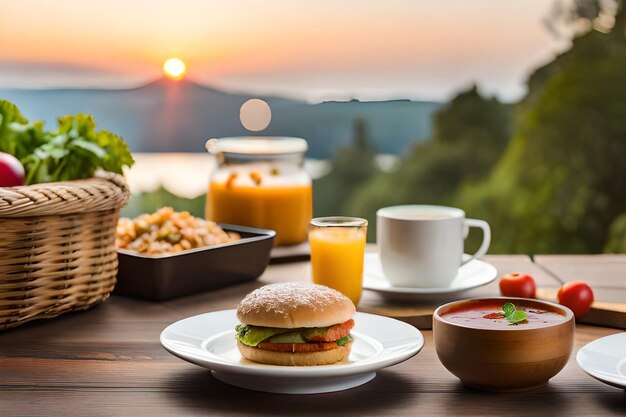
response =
{"points": [[315, 50]]}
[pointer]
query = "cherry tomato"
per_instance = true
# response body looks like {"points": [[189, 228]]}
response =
{"points": [[577, 296], [11, 171], [518, 285]]}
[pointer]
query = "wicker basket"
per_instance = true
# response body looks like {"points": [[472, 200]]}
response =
{"points": [[57, 246]]}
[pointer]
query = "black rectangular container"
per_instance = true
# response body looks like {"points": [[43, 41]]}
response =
{"points": [[164, 277]]}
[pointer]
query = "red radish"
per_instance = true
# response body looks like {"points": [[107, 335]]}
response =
{"points": [[11, 171]]}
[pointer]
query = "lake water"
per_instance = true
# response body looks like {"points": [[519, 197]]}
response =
{"points": [[187, 174]]}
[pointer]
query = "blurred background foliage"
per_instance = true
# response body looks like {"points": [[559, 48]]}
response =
{"points": [[470, 133], [149, 202], [548, 173]]}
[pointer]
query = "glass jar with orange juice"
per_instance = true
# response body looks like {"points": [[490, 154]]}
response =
{"points": [[261, 182], [337, 252]]}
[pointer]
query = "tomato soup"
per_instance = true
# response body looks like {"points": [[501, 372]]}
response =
{"points": [[487, 314]]}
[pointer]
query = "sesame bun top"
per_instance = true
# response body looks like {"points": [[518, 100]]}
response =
{"points": [[295, 304]]}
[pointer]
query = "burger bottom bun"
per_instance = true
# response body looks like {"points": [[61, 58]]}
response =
{"points": [[326, 357]]}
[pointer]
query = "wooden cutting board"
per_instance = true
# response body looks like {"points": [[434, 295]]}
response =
{"points": [[421, 315], [605, 274], [602, 313]]}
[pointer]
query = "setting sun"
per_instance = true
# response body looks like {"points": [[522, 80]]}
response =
{"points": [[174, 68]]}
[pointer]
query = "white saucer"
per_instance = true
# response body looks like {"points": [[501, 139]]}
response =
{"points": [[605, 359], [208, 340], [471, 275]]}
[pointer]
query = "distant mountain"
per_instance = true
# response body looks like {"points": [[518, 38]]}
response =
{"points": [[178, 116]]}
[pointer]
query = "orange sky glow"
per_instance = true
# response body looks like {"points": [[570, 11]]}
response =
{"points": [[313, 50]]}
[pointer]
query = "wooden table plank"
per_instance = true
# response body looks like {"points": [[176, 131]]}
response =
{"points": [[118, 356], [165, 385], [108, 361], [235, 402], [606, 274]]}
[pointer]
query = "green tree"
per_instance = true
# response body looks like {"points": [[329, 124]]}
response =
{"points": [[350, 168], [470, 134], [562, 180], [617, 236]]}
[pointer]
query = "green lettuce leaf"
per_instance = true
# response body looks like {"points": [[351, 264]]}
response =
{"points": [[18, 137], [74, 150], [291, 337], [253, 335], [344, 340]]}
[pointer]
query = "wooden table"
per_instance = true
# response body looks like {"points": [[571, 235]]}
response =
{"points": [[108, 361]]}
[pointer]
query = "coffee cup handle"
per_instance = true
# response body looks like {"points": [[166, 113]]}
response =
{"points": [[481, 224]]}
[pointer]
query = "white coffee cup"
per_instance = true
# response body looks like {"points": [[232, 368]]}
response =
{"points": [[421, 246]]}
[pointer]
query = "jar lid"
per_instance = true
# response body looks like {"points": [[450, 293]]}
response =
{"points": [[257, 145]]}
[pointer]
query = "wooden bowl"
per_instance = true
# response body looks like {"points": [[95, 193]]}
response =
{"points": [[515, 358]]}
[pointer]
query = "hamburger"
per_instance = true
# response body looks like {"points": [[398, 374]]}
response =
{"points": [[295, 324]]}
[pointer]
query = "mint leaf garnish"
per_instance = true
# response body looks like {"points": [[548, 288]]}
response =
{"points": [[508, 309], [512, 315], [517, 316]]}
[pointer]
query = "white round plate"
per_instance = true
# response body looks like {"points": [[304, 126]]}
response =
{"points": [[605, 359], [208, 340], [471, 275]]}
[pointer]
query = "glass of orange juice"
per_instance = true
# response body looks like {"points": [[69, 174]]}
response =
{"points": [[337, 251]]}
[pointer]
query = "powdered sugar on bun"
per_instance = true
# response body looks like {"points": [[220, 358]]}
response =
{"points": [[295, 304]]}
